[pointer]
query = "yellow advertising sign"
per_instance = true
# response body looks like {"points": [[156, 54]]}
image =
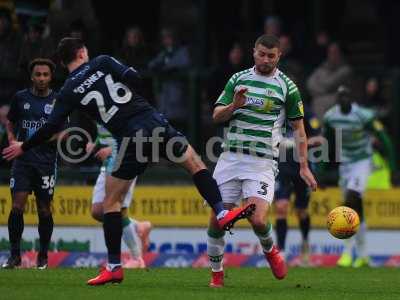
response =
{"points": [[182, 206]]}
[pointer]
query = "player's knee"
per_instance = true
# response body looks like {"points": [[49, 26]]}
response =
{"points": [[281, 208], [17, 209], [258, 224], [193, 162], [44, 212], [97, 213], [124, 212], [301, 213]]}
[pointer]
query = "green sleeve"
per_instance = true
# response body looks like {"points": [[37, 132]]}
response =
{"points": [[293, 104], [226, 96]]}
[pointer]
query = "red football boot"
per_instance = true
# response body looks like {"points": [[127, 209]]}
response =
{"points": [[217, 279], [277, 263], [107, 276], [227, 222]]}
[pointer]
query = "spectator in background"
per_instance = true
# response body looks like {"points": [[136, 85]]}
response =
{"points": [[133, 51], [10, 44], [171, 98], [289, 62], [273, 26], [326, 79], [34, 46], [233, 64], [373, 98], [318, 49]]}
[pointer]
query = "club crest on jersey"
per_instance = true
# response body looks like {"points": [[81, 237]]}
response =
{"points": [[270, 92], [27, 106], [48, 108]]}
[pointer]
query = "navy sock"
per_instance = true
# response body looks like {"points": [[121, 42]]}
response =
{"points": [[112, 225], [208, 189], [305, 227], [281, 231], [15, 229], [45, 229]]}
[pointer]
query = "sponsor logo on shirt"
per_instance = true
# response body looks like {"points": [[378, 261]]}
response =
{"points": [[27, 106], [29, 124]]}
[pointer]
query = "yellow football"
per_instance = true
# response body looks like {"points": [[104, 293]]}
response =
{"points": [[343, 222]]}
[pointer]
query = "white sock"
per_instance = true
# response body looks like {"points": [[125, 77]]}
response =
{"points": [[222, 214], [215, 251], [348, 246], [360, 239], [111, 267], [265, 238], [131, 239]]}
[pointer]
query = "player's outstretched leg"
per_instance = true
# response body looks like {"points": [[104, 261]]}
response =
{"points": [[215, 252], [112, 226], [136, 237], [264, 233], [208, 189]]}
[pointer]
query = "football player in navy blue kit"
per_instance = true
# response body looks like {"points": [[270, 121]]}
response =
{"points": [[35, 170], [288, 182], [104, 89]]}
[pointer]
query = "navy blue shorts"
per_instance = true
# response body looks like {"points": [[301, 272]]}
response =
{"points": [[150, 138], [289, 181], [39, 179]]}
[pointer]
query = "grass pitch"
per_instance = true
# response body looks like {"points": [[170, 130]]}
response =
{"points": [[176, 284]]}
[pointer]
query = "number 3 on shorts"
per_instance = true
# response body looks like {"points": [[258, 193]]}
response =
{"points": [[263, 187], [48, 182]]}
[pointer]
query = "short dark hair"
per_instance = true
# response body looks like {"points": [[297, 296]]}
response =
{"points": [[67, 49], [269, 41], [42, 62]]}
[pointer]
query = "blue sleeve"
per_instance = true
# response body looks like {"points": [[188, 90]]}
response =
{"points": [[62, 108], [13, 113], [121, 71]]}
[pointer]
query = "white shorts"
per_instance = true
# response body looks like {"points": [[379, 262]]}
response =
{"points": [[354, 175], [99, 191], [240, 176]]}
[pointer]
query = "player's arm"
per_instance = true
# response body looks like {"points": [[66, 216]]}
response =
{"points": [[376, 127], [300, 138], [229, 101], [295, 114], [124, 73], [12, 119], [54, 125], [10, 132]]}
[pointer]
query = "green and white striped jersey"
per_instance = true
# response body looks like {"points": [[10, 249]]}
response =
{"points": [[355, 130], [104, 137], [257, 126]]}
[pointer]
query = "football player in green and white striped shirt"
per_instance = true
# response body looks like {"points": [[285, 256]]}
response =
{"points": [[354, 126], [256, 102]]}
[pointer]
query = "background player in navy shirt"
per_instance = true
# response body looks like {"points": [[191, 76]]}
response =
{"points": [[288, 182], [35, 170], [103, 88]]}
